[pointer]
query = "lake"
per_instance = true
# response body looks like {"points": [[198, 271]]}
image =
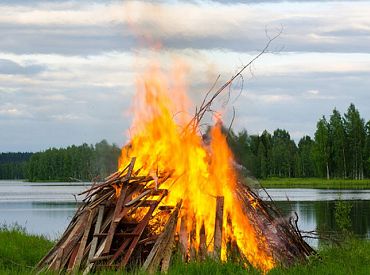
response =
{"points": [[46, 208]]}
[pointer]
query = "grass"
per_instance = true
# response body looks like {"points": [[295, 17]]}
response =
{"points": [[315, 183], [19, 252]]}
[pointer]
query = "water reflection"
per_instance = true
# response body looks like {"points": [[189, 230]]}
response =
{"points": [[320, 216]]}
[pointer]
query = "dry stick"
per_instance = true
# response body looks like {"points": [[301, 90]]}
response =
{"points": [[205, 106], [218, 227]]}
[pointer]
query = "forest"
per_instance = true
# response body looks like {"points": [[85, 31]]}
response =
{"points": [[74, 163], [340, 148]]}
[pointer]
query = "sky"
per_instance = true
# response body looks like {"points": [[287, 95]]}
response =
{"points": [[69, 69]]}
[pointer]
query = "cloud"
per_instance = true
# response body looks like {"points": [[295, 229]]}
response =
{"points": [[71, 66], [12, 68], [13, 111], [80, 28]]}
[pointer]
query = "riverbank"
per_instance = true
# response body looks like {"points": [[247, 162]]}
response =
{"points": [[315, 183], [20, 252]]}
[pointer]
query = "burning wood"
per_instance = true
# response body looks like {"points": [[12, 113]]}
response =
{"points": [[173, 192], [135, 227]]}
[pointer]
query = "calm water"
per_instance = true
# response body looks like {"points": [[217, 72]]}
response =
{"points": [[46, 208]]}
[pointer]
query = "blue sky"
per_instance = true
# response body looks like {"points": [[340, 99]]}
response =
{"points": [[68, 68]]}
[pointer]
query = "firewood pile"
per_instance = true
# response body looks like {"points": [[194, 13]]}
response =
{"points": [[122, 224]]}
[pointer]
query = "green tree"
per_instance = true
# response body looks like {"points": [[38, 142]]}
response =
{"points": [[306, 164], [367, 150], [322, 147], [355, 130], [338, 142], [283, 154]]}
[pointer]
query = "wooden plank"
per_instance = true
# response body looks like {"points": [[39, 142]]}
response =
{"points": [[218, 227], [193, 237], [169, 247], [82, 246], [73, 257], [53, 251], [55, 264], [139, 231], [101, 258], [94, 241], [98, 253], [183, 238], [155, 256], [202, 243], [117, 211], [102, 235], [66, 248]]}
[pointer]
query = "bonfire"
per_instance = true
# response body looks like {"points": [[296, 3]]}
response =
{"points": [[176, 191]]}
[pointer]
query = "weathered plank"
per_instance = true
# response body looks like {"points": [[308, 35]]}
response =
{"points": [[218, 227]]}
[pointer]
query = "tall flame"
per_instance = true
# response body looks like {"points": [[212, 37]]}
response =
{"points": [[200, 170]]}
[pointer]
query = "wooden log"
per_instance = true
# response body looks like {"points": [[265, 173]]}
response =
{"points": [[202, 243], [218, 227]]}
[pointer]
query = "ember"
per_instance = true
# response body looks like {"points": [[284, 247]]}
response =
{"points": [[173, 191]]}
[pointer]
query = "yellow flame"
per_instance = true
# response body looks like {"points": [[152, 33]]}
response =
{"points": [[200, 172]]}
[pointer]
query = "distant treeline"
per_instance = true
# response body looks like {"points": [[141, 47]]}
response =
{"points": [[339, 149], [83, 162], [13, 165]]}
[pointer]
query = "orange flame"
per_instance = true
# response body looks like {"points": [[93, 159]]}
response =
{"points": [[200, 171]]}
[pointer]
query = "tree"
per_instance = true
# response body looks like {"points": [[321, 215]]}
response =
{"points": [[283, 154], [322, 147], [305, 165], [355, 130], [338, 142], [367, 150]]}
